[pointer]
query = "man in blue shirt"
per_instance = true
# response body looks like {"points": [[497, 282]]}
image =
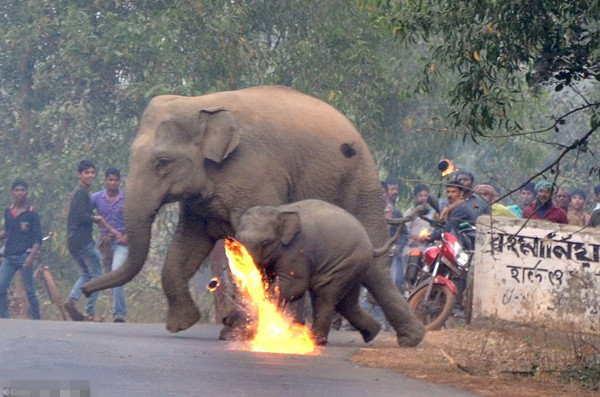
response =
{"points": [[477, 205], [459, 209], [23, 234], [109, 205]]}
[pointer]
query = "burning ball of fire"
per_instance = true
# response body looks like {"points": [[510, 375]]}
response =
{"points": [[446, 167], [213, 284], [276, 332]]}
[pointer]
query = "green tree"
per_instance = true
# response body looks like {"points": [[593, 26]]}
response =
{"points": [[501, 53]]}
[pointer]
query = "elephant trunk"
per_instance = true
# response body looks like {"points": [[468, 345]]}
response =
{"points": [[139, 230]]}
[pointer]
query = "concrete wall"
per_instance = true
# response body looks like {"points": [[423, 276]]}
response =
{"points": [[537, 273]]}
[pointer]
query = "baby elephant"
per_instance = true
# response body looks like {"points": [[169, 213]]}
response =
{"points": [[315, 246]]}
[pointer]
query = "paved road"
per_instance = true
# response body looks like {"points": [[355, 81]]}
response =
{"points": [[145, 360]]}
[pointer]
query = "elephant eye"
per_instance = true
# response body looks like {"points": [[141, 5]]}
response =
{"points": [[162, 163]]}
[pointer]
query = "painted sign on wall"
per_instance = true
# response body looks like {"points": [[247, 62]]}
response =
{"points": [[537, 272]]}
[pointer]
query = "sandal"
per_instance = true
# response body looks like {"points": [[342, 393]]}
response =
{"points": [[93, 318]]}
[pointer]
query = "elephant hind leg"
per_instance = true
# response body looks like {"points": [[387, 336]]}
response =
{"points": [[409, 329], [366, 324]]}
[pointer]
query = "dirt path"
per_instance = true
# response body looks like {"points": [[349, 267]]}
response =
{"points": [[490, 359]]}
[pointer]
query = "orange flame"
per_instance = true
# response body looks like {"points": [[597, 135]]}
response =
{"points": [[450, 169], [213, 284], [276, 332]]}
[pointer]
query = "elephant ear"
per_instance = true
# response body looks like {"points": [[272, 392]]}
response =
{"points": [[219, 134], [289, 223]]}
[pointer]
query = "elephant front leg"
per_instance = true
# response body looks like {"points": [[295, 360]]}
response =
{"points": [[190, 246], [324, 308]]}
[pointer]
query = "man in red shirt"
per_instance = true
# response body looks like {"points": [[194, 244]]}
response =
{"points": [[543, 208]]}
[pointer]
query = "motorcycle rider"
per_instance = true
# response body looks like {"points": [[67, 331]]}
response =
{"points": [[458, 209], [456, 212]]}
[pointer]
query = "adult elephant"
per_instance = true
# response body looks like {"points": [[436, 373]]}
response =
{"points": [[222, 153]]}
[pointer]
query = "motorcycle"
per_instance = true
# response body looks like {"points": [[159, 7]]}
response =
{"points": [[436, 277]]}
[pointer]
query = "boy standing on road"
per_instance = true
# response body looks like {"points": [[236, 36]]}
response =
{"points": [[109, 205], [80, 222], [23, 234]]}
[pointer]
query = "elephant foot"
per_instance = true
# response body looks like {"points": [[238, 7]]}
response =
{"points": [[370, 334], [179, 319], [411, 337], [320, 340], [237, 326], [227, 333], [236, 333]]}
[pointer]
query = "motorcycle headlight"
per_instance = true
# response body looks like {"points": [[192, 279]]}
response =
{"points": [[462, 258]]}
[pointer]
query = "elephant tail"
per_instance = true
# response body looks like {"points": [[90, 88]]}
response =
{"points": [[377, 252]]}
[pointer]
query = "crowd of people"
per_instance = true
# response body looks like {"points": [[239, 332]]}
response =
{"points": [[465, 201], [23, 234]]}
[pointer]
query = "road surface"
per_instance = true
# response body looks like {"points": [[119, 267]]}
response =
{"points": [[145, 360]]}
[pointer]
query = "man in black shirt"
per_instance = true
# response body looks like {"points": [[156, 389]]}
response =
{"points": [[23, 234], [80, 222]]}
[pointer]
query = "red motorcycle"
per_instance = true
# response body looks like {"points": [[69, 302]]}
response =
{"points": [[437, 276]]}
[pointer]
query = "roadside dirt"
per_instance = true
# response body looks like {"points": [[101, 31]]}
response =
{"points": [[490, 359]]}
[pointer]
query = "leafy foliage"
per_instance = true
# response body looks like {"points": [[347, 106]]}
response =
{"points": [[495, 47], [502, 58]]}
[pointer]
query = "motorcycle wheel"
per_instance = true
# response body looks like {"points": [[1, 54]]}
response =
{"points": [[433, 313]]}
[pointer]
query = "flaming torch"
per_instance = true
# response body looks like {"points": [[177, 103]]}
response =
{"points": [[446, 167], [276, 332]]}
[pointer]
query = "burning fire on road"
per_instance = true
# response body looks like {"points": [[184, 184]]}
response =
{"points": [[276, 332]]}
